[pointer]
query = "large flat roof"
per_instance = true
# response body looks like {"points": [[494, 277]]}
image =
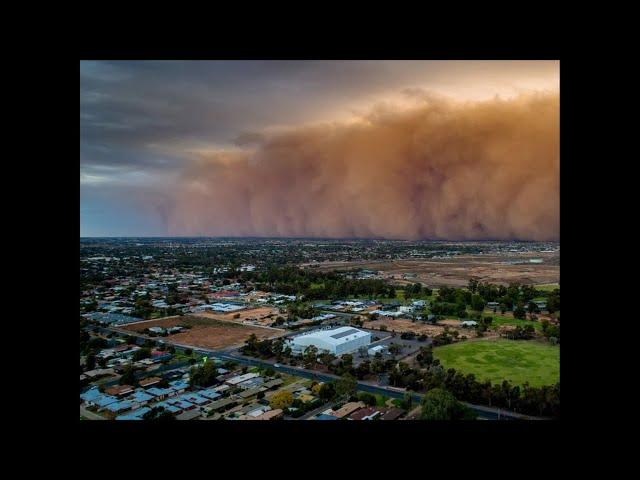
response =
{"points": [[335, 336]]}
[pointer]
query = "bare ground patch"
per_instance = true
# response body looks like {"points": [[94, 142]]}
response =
{"points": [[456, 271], [261, 316], [400, 325], [207, 332]]}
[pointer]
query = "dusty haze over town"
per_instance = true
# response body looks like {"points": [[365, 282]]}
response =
{"points": [[394, 149]]}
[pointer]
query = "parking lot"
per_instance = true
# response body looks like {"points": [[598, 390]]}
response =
{"points": [[409, 347]]}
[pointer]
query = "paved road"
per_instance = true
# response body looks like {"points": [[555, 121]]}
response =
{"points": [[481, 410]]}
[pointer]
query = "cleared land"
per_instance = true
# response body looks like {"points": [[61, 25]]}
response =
{"points": [[207, 332], [400, 325], [254, 315], [456, 271], [515, 360]]}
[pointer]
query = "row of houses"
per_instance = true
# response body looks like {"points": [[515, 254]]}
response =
{"points": [[359, 411]]}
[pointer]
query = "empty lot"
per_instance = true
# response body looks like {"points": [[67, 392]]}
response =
{"points": [[400, 325], [256, 315], [456, 271], [207, 332]]}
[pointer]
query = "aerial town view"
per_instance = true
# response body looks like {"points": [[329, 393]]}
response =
{"points": [[319, 240]]}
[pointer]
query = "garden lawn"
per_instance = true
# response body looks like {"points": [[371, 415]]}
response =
{"points": [[518, 361]]}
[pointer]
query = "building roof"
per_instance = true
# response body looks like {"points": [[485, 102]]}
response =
{"points": [[149, 381], [392, 414], [365, 413], [119, 406], [250, 391], [347, 409], [135, 415], [119, 389], [179, 385], [180, 403], [251, 383], [157, 392], [273, 383], [188, 415], [194, 398], [335, 336], [167, 406], [223, 402], [91, 394], [104, 400], [269, 415], [141, 397], [209, 393], [241, 378]]}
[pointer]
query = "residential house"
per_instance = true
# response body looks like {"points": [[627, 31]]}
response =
{"points": [[119, 390], [368, 413], [148, 382], [347, 409]]}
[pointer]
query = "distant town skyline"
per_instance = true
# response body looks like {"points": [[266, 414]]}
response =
{"points": [[460, 150]]}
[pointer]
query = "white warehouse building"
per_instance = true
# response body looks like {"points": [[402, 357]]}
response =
{"points": [[337, 340]]}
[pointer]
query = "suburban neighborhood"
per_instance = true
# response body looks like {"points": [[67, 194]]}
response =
{"points": [[165, 337]]}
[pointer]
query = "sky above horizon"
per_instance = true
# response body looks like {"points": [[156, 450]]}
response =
{"points": [[393, 149]]}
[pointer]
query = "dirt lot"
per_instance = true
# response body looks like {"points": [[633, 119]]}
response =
{"points": [[403, 325], [457, 271], [254, 315], [207, 332]]}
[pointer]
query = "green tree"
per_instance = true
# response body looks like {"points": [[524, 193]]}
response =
{"points": [[327, 391], [368, 398], [158, 413], [425, 356], [407, 402], [203, 375], [346, 386], [90, 361], [310, 356], [477, 303], [128, 377], [327, 358], [440, 404], [519, 313], [347, 360], [140, 354], [395, 349], [282, 399]]}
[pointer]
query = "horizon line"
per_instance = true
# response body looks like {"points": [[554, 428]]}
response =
{"points": [[316, 238]]}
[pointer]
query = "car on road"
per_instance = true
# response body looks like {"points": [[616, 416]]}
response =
{"points": [[276, 365]]}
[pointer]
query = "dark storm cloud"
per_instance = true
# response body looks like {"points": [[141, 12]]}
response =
{"points": [[133, 111], [144, 123]]}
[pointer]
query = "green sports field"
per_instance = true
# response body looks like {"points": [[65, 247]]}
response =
{"points": [[518, 361]]}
